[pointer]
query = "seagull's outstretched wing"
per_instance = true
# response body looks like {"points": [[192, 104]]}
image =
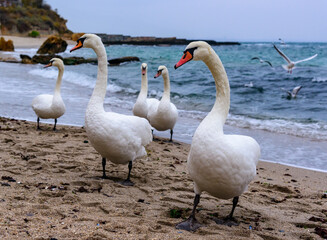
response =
{"points": [[255, 58], [296, 90], [282, 54], [269, 63], [307, 59]]}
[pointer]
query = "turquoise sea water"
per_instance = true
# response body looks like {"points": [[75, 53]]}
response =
{"points": [[291, 131]]}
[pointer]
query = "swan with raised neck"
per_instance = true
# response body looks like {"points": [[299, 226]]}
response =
{"points": [[50, 106], [120, 138], [163, 116], [222, 165], [142, 104]]}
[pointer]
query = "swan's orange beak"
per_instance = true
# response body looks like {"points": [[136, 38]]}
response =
{"points": [[143, 71], [78, 45], [186, 58], [158, 74], [48, 65]]}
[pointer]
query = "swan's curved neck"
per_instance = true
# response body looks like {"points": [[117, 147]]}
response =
{"points": [[59, 80], [166, 93], [144, 85], [220, 109], [99, 92]]}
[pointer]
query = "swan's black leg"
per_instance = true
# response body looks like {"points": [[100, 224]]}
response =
{"points": [[104, 161], [128, 181], [54, 128], [38, 124], [191, 224], [171, 135], [229, 220], [235, 201]]}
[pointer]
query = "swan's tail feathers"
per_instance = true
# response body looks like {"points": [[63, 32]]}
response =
{"points": [[141, 153]]}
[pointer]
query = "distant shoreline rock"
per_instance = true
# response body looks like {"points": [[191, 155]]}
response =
{"points": [[110, 39], [117, 61]]}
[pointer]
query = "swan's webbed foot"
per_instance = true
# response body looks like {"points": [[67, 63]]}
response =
{"points": [[104, 177], [227, 221], [191, 224], [127, 182]]}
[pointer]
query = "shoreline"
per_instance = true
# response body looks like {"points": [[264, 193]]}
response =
{"points": [[184, 141], [29, 42], [56, 192]]}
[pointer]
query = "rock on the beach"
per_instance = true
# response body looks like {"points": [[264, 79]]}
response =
{"points": [[79, 60], [117, 61], [53, 45], [43, 59], [6, 45], [26, 59]]}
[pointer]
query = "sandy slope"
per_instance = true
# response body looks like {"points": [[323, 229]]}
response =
{"points": [[50, 188]]}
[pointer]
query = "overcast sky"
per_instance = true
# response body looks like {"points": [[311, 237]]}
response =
{"points": [[228, 20]]}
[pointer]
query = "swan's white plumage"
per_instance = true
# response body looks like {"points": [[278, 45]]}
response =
{"points": [[163, 115], [143, 103], [222, 165], [51, 106], [117, 137]]}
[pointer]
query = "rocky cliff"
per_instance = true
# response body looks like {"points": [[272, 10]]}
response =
{"points": [[20, 18]]}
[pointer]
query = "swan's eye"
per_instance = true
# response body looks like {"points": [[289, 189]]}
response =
{"points": [[82, 40]]}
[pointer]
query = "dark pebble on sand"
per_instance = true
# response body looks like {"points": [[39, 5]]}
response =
{"points": [[9, 179], [82, 189], [5, 184], [85, 141], [140, 200], [321, 232]]}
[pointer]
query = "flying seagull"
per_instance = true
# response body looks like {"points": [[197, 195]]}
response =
{"points": [[262, 61], [293, 93], [291, 65], [281, 41]]}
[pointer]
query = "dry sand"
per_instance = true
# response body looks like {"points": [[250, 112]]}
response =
{"points": [[50, 188], [29, 42]]}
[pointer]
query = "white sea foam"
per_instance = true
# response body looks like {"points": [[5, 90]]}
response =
{"points": [[316, 131], [319, 79], [78, 79]]}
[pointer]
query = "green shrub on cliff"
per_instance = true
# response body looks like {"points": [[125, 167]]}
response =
{"points": [[34, 34]]}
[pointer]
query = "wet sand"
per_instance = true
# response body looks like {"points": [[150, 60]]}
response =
{"points": [[50, 187]]}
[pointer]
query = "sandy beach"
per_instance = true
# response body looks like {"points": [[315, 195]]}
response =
{"points": [[29, 42], [50, 187]]}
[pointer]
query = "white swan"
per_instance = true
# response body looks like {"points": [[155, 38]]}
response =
{"points": [[290, 64], [118, 137], [50, 106], [222, 165], [163, 115], [143, 103]]}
